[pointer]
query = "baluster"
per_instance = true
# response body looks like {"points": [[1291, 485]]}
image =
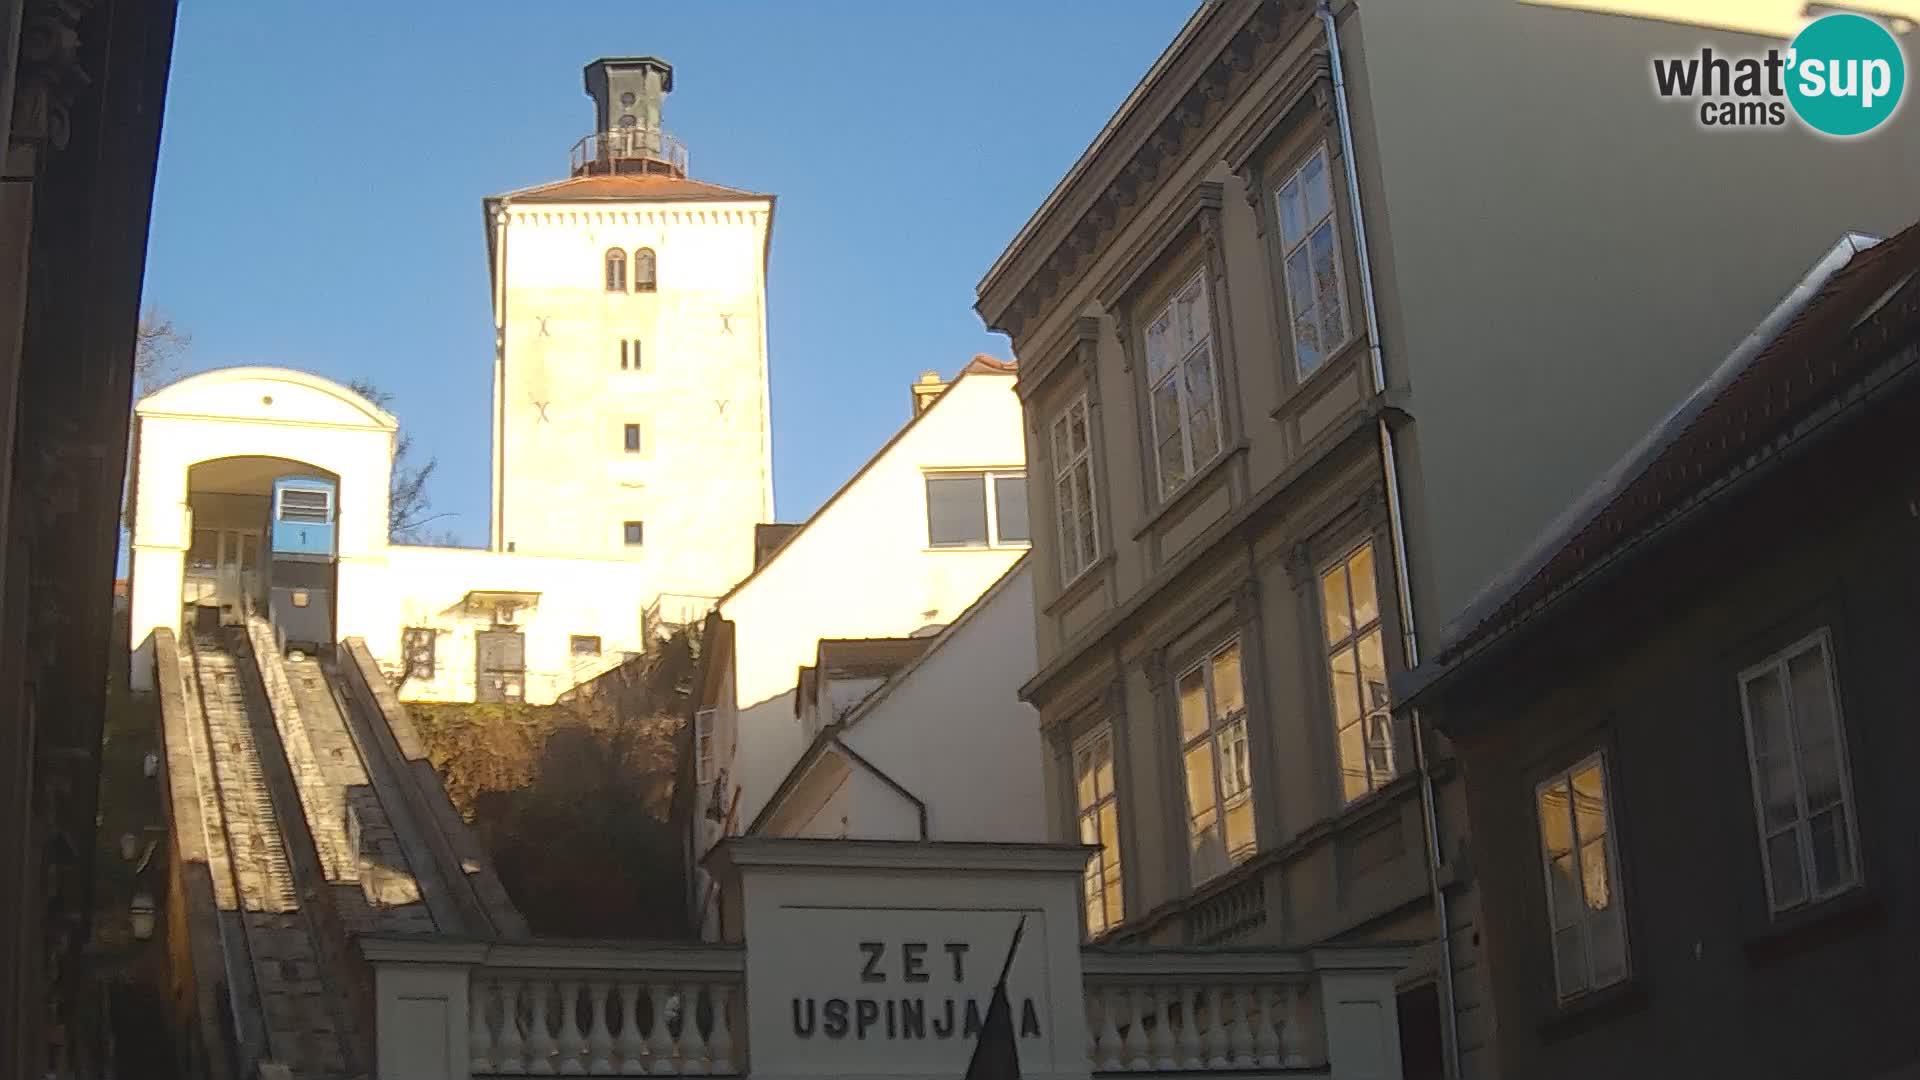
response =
{"points": [[633, 1045], [511, 1053], [659, 1040], [1163, 1029], [540, 1045], [1137, 1042], [1091, 1005], [1191, 1055], [1266, 1040], [1110, 1049], [1239, 1037], [599, 1038], [572, 1042], [1292, 1043], [1217, 1048], [693, 1049], [479, 1034], [720, 1045]]}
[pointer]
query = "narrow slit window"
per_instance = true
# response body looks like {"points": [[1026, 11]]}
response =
{"points": [[632, 438]]}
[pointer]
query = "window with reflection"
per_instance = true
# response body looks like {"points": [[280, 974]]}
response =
{"points": [[1182, 387], [1098, 807], [1310, 258], [1587, 919], [616, 270], [1215, 758], [1364, 734], [643, 270], [1073, 490], [1802, 796]]}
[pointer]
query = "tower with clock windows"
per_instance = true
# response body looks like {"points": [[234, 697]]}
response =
{"points": [[630, 376]]}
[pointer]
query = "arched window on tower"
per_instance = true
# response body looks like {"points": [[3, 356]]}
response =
{"points": [[617, 270], [643, 270]]}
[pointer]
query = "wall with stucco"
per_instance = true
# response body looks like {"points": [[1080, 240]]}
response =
{"points": [[860, 568], [703, 476]]}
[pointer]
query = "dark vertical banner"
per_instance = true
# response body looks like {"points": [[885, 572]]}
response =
{"points": [[996, 1056]]}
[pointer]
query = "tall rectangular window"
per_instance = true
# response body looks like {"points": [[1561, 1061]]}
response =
{"points": [[703, 745], [1097, 805], [1801, 790], [630, 354], [1181, 385], [416, 651], [1583, 875], [1073, 490], [634, 533], [1213, 750], [1310, 252], [1357, 675], [632, 438], [977, 509]]}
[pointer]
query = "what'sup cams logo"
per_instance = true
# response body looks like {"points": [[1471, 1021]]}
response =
{"points": [[1844, 75]]}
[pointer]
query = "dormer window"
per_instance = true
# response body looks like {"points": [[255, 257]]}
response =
{"points": [[643, 270], [617, 270]]}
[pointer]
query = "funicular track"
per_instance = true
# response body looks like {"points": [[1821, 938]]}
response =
{"points": [[285, 997]]}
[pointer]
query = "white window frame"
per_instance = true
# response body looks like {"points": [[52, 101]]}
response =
{"points": [[326, 505], [1331, 218], [1097, 896], [703, 744], [1616, 898], [1776, 666], [1221, 740], [1161, 367], [987, 478], [1079, 548], [1350, 642]]}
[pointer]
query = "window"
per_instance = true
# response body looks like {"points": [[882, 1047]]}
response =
{"points": [[703, 748], [306, 506], [416, 652], [1801, 791], [966, 509], [1098, 807], [1583, 874], [616, 270], [632, 438], [643, 270], [1310, 252], [1073, 490], [1180, 383], [1213, 749], [1357, 676], [584, 645], [629, 354], [634, 533]]}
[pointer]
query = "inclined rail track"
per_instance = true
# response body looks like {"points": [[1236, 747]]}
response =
{"points": [[290, 1014]]}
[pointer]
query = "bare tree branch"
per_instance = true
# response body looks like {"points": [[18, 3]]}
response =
{"points": [[158, 346], [407, 500]]}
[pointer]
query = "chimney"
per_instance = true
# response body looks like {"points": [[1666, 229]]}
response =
{"points": [[924, 391], [627, 95]]}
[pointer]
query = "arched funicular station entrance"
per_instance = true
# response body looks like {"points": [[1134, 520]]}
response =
{"points": [[263, 542]]}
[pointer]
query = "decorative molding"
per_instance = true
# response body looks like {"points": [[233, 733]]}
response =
{"points": [[1154, 667], [1113, 700], [1246, 601], [1300, 565]]}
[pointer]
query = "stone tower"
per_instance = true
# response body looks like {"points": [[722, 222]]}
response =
{"points": [[630, 376]]}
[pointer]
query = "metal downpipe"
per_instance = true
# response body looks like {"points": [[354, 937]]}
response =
{"points": [[1396, 521]]}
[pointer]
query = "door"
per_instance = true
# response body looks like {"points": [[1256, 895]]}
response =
{"points": [[237, 581], [501, 665]]}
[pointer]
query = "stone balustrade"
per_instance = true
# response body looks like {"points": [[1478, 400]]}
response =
{"points": [[452, 1009]]}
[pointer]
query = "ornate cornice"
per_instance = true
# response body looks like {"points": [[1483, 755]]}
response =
{"points": [[50, 74], [1262, 35]]}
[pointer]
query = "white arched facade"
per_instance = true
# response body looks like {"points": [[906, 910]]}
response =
{"points": [[232, 431]]}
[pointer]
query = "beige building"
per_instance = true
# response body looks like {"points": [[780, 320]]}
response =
{"points": [[1335, 314], [630, 386]]}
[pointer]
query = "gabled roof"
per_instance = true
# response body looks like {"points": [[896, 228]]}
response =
{"points": [[1804, 354], [979, 365], [824, 744], [626, 187]]}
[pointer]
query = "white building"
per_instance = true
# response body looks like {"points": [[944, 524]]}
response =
{"points": [[902, 549], [940, 747], [631, 453]]}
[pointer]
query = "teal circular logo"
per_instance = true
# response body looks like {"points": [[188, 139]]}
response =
{"points": [[1845, 75]]}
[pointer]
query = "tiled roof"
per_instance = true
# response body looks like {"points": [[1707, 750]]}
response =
{"points": [[1869, 305], [628, 186]]}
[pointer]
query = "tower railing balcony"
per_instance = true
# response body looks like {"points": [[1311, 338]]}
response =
{"points": [[629, 150]]}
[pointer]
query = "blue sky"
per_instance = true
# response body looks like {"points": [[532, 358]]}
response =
{"points": [[322, 167]]}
